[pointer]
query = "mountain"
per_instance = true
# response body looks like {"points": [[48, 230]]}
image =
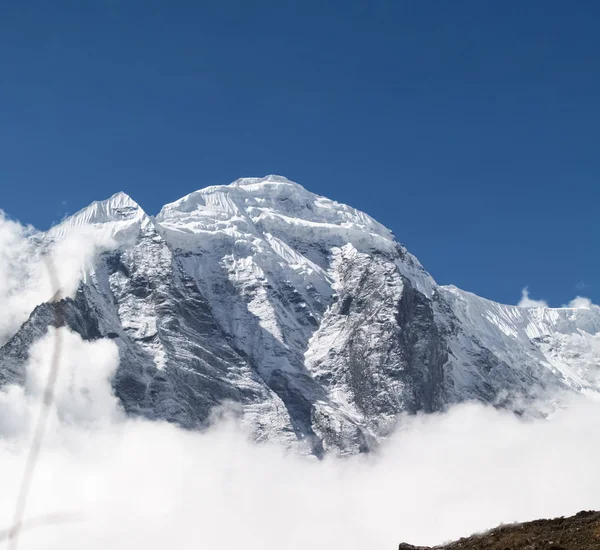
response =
{"points": [[303, 315]]}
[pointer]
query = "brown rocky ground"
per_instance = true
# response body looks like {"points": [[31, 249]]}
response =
{"points": [[579, 532]]}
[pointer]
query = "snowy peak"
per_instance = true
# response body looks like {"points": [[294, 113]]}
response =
{"points": [[119, 204], [270, 179], [116, 217], [119, 207], [253, 207], [275, 193]]}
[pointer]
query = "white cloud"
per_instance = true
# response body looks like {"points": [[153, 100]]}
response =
{"points": [[580, 302], [25, 260], [137, 484], [18, 278], [83, 392], [526, 301]]}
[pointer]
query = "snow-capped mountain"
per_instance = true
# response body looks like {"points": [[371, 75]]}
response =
{"points": [[304, 314]]}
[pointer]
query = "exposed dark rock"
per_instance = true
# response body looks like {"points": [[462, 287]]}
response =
{"points": [[424, 348], [579, 532]]}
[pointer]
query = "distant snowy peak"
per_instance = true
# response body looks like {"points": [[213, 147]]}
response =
{"points": [[252, 207], [246, 217], [118, 217], [245, 207], [119, 207], [270, 179], [271, 196]]}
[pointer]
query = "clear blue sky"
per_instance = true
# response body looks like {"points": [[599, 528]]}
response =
{"points": [[471, 129]]}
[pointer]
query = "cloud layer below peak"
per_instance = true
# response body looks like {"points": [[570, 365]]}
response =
{"points": [[122, 483]]}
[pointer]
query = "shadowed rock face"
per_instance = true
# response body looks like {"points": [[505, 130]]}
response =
{"points": [[73, 313], [580, 532], [301, 315], [424, 347]]}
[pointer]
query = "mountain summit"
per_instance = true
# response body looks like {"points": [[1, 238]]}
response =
{"points": [[305, 315]]}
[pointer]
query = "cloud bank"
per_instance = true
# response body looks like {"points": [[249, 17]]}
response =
{"points": [[113, 482]]}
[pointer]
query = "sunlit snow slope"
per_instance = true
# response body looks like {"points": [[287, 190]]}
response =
{"points": [[304, 316]]}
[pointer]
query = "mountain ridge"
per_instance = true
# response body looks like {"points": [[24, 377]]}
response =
{"points": [[305, 313]]}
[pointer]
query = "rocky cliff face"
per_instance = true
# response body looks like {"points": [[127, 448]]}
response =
{"points": [[303, 315]]}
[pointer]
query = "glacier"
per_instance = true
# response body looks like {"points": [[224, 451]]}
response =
{"points": [[303, 317]]}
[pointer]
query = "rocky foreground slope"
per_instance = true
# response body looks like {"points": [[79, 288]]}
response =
{"points": [[304, 315], [580, 532]]}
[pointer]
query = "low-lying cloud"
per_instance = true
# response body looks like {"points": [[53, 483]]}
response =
{"points": [[25, 259], [579, 302], [105, 481]]}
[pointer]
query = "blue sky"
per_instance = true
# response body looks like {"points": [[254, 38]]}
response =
{"points": [[471, 129]]}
